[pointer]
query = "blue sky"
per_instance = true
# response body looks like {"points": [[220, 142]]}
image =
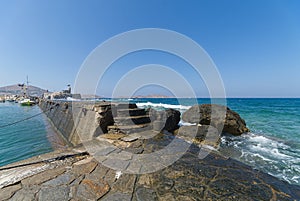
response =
{"points": [[254, 44]]}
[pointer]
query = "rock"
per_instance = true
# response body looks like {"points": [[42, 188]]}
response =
{"points": [[92, 190], [104, 118], [204, 135], [173, 118], [117, 197], [145, 194], [7, 192], [54, 193], [165, 120], [201, 114]]}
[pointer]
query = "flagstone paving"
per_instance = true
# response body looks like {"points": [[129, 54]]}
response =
{"points": [[77, 175]]}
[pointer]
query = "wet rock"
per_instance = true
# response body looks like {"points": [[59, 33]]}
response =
{"points": [[217, 116]]}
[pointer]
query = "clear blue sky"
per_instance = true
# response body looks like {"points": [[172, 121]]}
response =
{"points": [[255, 44]]}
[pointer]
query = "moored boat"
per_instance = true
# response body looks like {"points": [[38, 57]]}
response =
{"points": [[27, 102]]}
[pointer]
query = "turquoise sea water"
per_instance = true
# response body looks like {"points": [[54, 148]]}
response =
{"points": [[273, 145], [25, 139]]}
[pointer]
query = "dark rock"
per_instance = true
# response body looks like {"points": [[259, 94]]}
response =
{"points": [[173, 118], [223, 118], [204, 134], [104, 119], [145, 194], [167, 119]]}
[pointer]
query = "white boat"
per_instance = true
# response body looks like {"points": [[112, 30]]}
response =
{"points": [[27, 102]]}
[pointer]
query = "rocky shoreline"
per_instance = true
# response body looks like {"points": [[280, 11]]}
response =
{"points": [[144, 158]]}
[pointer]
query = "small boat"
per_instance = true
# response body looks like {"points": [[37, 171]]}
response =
{"points": [[2, 100], [27, 102]]}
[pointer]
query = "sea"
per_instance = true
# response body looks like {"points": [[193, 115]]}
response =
{"points": [[24, 132], [272, 146]]}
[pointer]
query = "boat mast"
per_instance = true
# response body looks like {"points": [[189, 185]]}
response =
{"points": [[26, 86]]}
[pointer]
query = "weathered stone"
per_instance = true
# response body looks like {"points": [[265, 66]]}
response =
{"points": [[92, 190], [25, 194], [7, 192], [167, 197], [103, 151], [44, 176], [63, 179], [260, 192], [117, 197], [116, 164], [130, 138], [54, 193], [123, 155], [158, 125], [104, 119], [84, 167], [165, 120], [200, 134], [74, 186], [225, 187], [145, 180], [115, 136], [124, 184], [223, 118], [145, 194]]}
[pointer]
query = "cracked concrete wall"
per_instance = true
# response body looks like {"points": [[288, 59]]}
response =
{"points": [[77, 122]]}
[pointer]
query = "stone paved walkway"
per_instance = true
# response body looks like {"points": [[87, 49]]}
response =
{"points": [[76, 175]]}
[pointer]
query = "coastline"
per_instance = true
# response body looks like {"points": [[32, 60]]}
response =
{"points": [[68, 173]]}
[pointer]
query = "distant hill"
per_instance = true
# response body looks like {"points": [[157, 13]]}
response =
{"points": [[16, 90], [152, 96]]}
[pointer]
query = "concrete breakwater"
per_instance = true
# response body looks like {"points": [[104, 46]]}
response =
{"points": [[114, 162], [82, 121]]}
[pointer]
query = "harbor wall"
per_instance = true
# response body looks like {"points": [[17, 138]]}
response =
{"points": [[77, 122]]}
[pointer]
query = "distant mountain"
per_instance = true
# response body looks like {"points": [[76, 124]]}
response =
{"points": [[17, 90], [87, 96], [152, 96]]}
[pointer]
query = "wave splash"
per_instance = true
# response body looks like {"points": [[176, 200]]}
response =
{"points": [[163, 106], [264, 153]]}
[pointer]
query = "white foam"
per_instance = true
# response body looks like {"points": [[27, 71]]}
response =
{"points": [[163, 105], [266, 154], [72, 99], [182, 123]]}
